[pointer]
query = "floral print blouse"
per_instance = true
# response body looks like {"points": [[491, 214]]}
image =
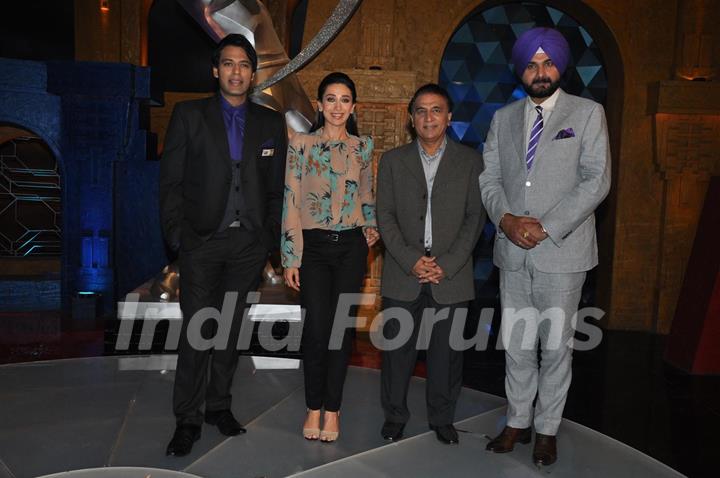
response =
{"points": [[328, 185]]}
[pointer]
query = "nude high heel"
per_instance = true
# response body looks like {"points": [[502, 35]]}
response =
{"points": [[330, 436], [314, 432]]}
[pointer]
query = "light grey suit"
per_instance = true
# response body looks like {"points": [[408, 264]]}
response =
{"points": [[568, 179], [457, 220]]}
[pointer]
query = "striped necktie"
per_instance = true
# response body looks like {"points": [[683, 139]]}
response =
{"points": [[534, 138]]}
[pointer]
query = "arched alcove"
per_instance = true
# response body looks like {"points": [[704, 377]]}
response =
{"points": [[478, 72], [31, 220]]}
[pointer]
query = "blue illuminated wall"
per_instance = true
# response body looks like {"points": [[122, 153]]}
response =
{"points": [[476, 67], [89, 115]]}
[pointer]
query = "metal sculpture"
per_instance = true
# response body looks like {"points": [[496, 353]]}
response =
{"points": [[278, 87]]}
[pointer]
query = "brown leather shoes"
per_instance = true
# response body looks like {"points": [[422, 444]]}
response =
{"points": [[545, 450], [506, 440]]}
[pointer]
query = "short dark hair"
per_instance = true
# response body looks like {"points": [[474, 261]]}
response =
{"points": [[235, 39], [334, 79], [432, 88]]}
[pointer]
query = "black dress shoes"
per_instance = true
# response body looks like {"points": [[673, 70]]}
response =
{"points": [[545, 450], [392, 431], [225, 422], [505, 441], [183, 439], [446, 434]]}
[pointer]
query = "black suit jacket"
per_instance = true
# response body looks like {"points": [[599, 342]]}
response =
{"points": [[195, 172]]}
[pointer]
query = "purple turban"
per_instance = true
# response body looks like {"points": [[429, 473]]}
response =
{"points": [[550, 40]]}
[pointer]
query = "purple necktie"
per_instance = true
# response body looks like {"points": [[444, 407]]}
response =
{"points": [[235, 135], [534, 137]]}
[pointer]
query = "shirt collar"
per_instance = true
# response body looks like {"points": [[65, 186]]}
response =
{"points": [[547, 105], [431, 157], [230, 109]]}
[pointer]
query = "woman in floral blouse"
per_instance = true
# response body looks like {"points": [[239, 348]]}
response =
{"points": [[327, 226]]}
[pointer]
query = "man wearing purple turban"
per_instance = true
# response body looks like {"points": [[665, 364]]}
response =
{"points": [[547, 167]]}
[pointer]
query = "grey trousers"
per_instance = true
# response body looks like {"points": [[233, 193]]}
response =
{"points": [[538, 308]]}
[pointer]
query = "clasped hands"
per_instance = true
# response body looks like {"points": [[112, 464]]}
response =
{"points": [[523, 231], [427, 270]]}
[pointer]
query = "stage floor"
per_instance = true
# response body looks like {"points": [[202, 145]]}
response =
{"points": [[113, 415]]}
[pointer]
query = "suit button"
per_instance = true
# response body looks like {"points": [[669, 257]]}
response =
{"points": [[422, 217], [237, 166], [421, 241], [424, 196], [527, 213], [237, 188], [528, 183]]}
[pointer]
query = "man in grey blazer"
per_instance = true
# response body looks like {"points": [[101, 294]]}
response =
{"points": [[547, 165], [429, 215]]}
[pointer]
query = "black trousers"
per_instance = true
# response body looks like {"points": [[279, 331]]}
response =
{"points": [[333, 263], [230, 261], [444, 365]]}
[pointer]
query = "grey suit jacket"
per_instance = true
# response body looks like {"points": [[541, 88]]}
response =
{"points": [[568, 180], [457, 219]]}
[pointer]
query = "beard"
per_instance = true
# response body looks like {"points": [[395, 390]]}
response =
{"points": [[541, 87]]}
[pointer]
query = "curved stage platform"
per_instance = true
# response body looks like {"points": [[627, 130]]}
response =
{"points": [[111, 417]]}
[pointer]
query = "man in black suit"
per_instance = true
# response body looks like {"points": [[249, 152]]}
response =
{"points": [[221, 187]]}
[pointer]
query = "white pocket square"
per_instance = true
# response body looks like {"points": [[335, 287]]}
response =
{"points": [[268, 152]]}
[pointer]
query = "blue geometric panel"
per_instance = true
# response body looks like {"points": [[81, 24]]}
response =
{"points": [[30, 206], [476, 68]]}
